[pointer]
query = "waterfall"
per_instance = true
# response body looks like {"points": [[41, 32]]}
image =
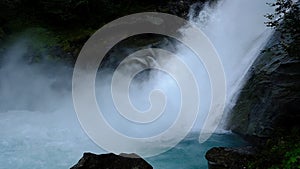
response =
{"points": [[36, 110], [237, 30]]}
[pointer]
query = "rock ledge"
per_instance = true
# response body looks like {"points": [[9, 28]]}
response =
{"points": [[111, 161], [229, 158]]}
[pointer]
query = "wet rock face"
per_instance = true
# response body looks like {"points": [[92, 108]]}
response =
{"points": [[271, 97], [229, 158], [111, 161]]}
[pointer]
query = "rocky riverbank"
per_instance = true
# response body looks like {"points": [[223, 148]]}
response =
{"points": [[229, 158]]}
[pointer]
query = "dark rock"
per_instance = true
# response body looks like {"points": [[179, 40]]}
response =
{"points": [[267, 110], [229, 158], [111, 161], [270, 98], [2, 34]]}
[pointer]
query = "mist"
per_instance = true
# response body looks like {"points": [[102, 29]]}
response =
{"points": [[36, 108], [36, 111]]}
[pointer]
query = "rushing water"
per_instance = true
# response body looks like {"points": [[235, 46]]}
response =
{"points": [[34, 142], [236, 29], [39, 128]]}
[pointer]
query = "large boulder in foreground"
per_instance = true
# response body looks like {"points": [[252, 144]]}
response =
{"points": [[111, 161]]}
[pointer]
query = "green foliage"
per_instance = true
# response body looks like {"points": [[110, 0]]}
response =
{"points": [[62, 24], [282, 151], [286, 20], [282, 8], [70, 13], [292, 159], [50, 44], [40, 41]]}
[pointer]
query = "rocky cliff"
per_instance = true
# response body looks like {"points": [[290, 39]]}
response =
{"points": [[267, 109], [270, 99]]}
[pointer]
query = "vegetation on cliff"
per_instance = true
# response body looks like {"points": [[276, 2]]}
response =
{"points": [[282, 151], [71, 23], [270, 98]]}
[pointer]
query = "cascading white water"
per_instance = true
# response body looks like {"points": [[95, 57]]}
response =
{"points": [[39, 126], [238, 35], [237, 30]]}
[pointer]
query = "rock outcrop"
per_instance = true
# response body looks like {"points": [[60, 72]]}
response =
{"points": [[111, 161], [270, 98], [267, 110], [229, 158]]}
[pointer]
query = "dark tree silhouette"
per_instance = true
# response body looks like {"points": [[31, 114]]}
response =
{"points": [[286, 20]]}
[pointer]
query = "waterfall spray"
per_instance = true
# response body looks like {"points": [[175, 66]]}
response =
{"points": [[37, 117]]}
